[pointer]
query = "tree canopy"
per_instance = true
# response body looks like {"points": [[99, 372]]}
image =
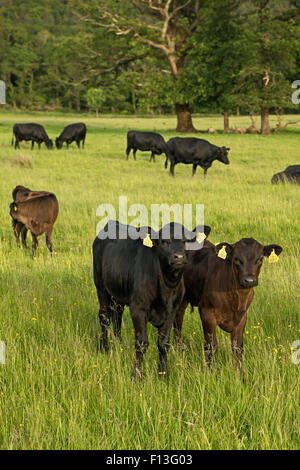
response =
{"points": [[181, 56]]}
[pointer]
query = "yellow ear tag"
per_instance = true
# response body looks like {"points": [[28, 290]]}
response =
{"points": [[200, 237], [273, 258], [15, 208], [222, 253], [147, 241]]}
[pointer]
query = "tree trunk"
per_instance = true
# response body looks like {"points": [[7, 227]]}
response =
{"points": [[226, 120], [184, 118], [265, 125]]}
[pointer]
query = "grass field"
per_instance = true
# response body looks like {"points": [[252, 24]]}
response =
{"points": [[57, 391]]}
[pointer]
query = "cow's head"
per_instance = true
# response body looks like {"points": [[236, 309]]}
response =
{"points": [[222, 155], [170, 242], [13, 208], [49, 144], [278, 178], [58, 143], [20, 190], [246, 257]]}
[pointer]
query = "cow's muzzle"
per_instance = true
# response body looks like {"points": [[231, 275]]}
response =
{"points": [[178, 259], [248, 282]]}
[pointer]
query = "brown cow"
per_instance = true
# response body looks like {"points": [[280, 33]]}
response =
{"points": [[222, 289], [35, 211]]}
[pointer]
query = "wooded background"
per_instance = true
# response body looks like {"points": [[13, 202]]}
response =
{"points": [[152, 56]]}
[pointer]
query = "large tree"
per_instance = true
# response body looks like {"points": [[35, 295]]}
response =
{"points": [[164, 27], [270, 35]]}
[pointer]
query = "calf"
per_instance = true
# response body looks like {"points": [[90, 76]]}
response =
{"points": [[70, 133], [145, 141], [35, 211], [219, 281], [290, 175], [148, 280], [33, 132], [190, 150]]}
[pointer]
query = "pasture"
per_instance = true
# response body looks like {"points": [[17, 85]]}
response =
{"points": [[57, 390]]}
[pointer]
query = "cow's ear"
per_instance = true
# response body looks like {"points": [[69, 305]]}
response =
{"points": [[224, 250], [272, 251], [207, 230], [202, 232], [227, 148], [146, 233]]}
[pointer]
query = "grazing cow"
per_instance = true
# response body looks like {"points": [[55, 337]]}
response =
{"points": [[290, 175], [70, 133], [219, 281], [145, 141], [35, 211], [148, 280], [190, 150], [33, 132]]}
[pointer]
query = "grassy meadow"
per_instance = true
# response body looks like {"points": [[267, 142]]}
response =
{"points": [[57, 390]]}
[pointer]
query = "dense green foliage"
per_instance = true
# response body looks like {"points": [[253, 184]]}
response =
{"points": [[57, 391], [149, 55]]}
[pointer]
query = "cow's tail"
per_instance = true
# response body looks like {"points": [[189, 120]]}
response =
{"points": [[12, 140]]}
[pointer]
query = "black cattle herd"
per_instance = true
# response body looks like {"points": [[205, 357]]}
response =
{"points": [[154, 273]]}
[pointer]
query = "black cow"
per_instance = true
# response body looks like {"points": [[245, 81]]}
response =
{"points": [[146, 141], [190, 150], [290, 175], [70, 133], [148, 280], [33, 132]]}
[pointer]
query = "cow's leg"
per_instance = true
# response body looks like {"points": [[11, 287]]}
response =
{"points": [[17, 145], [166, 163], [172, 168], [116, 316], [163, 344], [152, 157], [34, 244], [209, 329], [237, 343], [17, 226], [104, 315], [164, 337], [78, 143], [139, 319], [194, 169], [39, 144], [32, 144], [67, 145], [83, 142], [49, 239], [128, 151], [205, 171], [134, 153], [23, 236], [178, 322]]}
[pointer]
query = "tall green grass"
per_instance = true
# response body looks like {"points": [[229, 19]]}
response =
{"points": [[57, 390]]}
